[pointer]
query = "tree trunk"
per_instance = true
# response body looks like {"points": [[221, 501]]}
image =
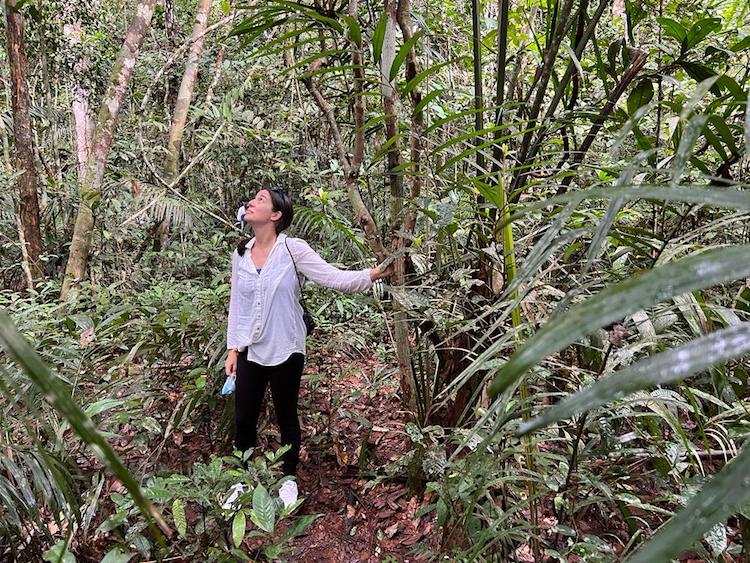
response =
{"points": [[179, 117], [29, 231], [83, 124], [103, 135]]}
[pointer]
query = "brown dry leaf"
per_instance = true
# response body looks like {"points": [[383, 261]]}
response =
{"points": [[87, 337], [524, 554], [116, 486], [391, 530], [350, 511]]}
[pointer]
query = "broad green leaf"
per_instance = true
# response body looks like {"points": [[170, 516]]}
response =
{"points": [[673, 28], [403, 52], [699, 73], [264, 510], [239, 525], [116, 555], [641, 95], [58, 395], [178, 514], [690, 134], [723, 495], [700, 30], [688, 274], [59, 553], [661, 369]]}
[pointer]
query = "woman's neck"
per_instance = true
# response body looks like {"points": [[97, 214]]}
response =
{"points": [[265, 236]]}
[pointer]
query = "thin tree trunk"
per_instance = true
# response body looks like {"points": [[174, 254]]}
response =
{"points": [[478, 95], [83, 124], [390, 110], [103, 135], [627, 77], [550, 55], [29, 231], [502, 55], [351, 172], [417, 120], [181, 108], [187, 86]]}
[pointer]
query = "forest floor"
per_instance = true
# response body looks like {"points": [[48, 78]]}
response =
{"points": [[347, 402]]}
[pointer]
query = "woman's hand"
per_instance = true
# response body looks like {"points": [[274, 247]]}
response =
{"points": [[381, 271], [230, 365]]}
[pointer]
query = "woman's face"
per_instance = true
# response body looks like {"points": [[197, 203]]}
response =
{"points": [[259, 210]]}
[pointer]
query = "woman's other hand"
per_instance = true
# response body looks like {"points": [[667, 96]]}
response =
{"points": [[381, 271], [230, 365]]}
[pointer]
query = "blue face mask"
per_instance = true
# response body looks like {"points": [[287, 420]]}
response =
{"points": [[228, 385]]}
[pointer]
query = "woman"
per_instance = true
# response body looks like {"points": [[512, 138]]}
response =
{"points": [[266, 333]]}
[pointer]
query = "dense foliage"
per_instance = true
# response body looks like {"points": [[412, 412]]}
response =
{"points": [[562, 186]]}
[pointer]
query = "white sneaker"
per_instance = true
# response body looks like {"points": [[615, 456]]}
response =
{"points": [[288, 493], [235, 492]]}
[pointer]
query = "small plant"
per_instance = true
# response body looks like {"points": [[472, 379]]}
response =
{"points": [[210, 510]]}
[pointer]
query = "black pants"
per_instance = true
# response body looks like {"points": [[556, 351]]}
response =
{"points": [[250, 389]]}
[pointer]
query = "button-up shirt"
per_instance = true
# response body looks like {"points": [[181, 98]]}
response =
{"points": [[265, 315]]}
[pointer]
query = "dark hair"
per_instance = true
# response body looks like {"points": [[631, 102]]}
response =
{"points": [[280, 201]]}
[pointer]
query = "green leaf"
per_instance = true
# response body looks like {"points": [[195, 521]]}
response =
{"points": [[414, 82], [378, 37], [723, 130], [239, 524], [699, 73], [722, 496], [701, 195], [116, 555], [300, 525], [178, 514], [403, 52], [673, 29], [688, 274], [354, 31], [741, 45], [57, 393], [426, 100], [662, 369], [640, 96], [59, 553], [700, 30], [264, 510]]}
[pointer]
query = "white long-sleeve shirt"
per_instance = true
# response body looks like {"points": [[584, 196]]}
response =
{"points": [[265, 315]]}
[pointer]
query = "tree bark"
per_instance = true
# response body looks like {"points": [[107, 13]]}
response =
{"points": [[83, 124], [103, 135], [181, 108], [29, 231]]}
